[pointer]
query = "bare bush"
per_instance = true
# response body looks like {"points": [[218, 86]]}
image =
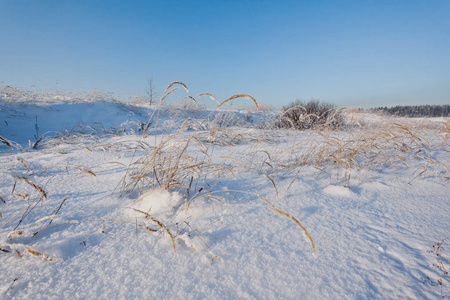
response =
{"points": [[305, 115]]}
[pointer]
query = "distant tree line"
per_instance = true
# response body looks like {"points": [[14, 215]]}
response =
{"points": [[417, 111]]}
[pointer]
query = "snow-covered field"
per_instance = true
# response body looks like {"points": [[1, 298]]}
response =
{"points": [[85, 212]]}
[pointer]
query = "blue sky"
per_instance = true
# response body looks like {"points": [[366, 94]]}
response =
{"points": [[350, 53]]}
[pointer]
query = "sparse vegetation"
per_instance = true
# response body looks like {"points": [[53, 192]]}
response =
{"points": [[181, 160], [440, 264], [5, 142], [366, 148], [12, 94], [310, 115], [195, 157]]}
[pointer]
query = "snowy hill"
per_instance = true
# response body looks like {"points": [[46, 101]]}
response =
{"points": [[23, 122], [218, 205]]}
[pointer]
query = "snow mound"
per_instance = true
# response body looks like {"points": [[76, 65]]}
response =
{"points": [[339, 191], [157, 202], [24, 123]]}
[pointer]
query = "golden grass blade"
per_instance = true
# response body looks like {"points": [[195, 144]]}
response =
{"points": [[265, 200], [84, 147], [239, 96], [267, 153], [405, 129], [38, 254], [273, 183], [84, 170], [38, 188], [160, 224], [228, 157], [186, 123], [307, 236], [148, 228], [268, 164], [23, 196], [23, 164], [428, 160], [167, 94], [215, 198], [210, 96], [14, 234], [169, 91], [193, 100], [428, 143], [149, 217], [200, 143], [215, 257], [173, 240], [174, 83], [355, 163]]}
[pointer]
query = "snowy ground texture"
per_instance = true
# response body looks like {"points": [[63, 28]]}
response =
{"points": [[85, 213]]}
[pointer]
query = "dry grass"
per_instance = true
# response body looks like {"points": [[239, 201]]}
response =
{"points": [[42, 193], [86, 171], [6, 142], [440, 264], [20, 250], [183, 160], [170, 162], [179, 159], [307, 236], [339, 153]]}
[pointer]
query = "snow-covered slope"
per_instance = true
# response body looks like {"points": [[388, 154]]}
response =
{"points": [[67, 232], [25, 122]]}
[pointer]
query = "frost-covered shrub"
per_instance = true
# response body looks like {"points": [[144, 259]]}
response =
{"points": [[305, 115]]}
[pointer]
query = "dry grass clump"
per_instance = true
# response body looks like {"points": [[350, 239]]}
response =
{"points": [[20, 250], [10, 144], [440, 263], [366, 148], [445, 131], [34, 195], [220, 129], [171, 162], [182, 161]]}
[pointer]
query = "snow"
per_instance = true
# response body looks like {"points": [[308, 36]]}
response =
{"points": [[339, 191], [159, 201], [372, 236]]}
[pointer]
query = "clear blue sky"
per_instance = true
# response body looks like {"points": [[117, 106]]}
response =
{"points": [[351, 53]]}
